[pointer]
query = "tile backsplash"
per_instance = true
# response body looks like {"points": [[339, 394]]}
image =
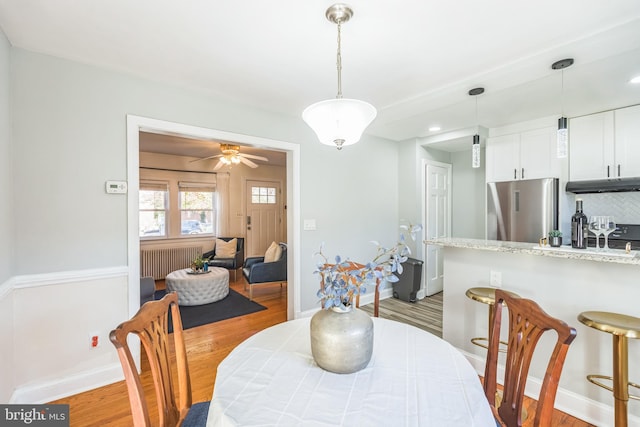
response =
{"points": [[624, 207]]}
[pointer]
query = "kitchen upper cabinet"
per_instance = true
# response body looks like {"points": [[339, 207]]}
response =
{"points": [[526, 155], [605, 145], [627, 142]]}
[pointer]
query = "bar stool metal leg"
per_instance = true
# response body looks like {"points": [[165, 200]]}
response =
{"points": [[620, 379]]}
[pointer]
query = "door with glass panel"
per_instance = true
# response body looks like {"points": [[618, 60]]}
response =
{"points": [[264, 219]]}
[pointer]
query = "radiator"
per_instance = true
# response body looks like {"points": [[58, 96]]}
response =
{"points": [[160, 262]]}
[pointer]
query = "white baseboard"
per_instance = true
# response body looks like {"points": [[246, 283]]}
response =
{"points": [[47, 391], [576, 405]]}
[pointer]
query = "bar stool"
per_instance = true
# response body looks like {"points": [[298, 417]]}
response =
{"points": [[486, 296], [621, 327]]}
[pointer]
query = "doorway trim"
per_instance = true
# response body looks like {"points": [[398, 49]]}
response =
{"points": [[135, 124]]}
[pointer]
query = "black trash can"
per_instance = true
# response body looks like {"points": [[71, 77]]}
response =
{"points": [[406, 288]]}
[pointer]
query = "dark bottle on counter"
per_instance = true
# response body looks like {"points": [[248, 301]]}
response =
{"points": [[579, 227]]}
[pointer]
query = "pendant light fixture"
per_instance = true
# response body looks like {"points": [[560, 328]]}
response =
{"points": [[563, 131], [339, 121], [475, 148]]}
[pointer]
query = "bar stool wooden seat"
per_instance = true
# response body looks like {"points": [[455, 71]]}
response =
{"points": [[486, 296], [622, 327]]}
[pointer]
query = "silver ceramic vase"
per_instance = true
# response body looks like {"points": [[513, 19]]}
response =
{"points": [[341, 339]]}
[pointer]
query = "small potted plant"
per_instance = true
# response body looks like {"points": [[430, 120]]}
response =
{"points": [[197, 265], [555, 238]]}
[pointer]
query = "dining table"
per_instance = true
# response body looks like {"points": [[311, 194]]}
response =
{"points": [[414, 378]]}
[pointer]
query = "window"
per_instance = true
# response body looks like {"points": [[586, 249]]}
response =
{"points": [[197, 208], [153, 208], [263, 195]]}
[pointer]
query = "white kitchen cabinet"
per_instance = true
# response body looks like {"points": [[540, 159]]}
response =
{"points": [[627, 142], [605, 145], [525, 155]]}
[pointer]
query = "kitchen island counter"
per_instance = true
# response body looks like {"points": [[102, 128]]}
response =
{"points": [[591, 254], [564, 282]]}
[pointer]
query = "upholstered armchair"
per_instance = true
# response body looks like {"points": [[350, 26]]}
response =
{"points": [[147, 289], [257, 271], [231, 260]]}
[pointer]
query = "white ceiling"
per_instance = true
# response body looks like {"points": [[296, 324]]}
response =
{"points": [[414, 60]]}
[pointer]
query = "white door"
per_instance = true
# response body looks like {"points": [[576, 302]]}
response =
{"points": [[437, 219], [263, 216]]}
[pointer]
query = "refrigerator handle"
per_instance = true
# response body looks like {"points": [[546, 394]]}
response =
{"points": [[515, 173], [522, 174]]}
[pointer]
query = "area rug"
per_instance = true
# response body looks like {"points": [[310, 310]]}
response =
{"points": [[233, 305]]}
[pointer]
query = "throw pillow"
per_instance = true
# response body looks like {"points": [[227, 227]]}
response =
{"points": [[226, 249], [273, 253]]}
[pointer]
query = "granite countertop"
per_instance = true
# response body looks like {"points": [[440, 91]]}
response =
{"points": [[612, 255]]}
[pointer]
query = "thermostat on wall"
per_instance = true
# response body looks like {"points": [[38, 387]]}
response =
{"points": [[116, 187]]}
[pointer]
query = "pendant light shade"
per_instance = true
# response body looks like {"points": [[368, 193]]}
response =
{"points": [[562, 139], [475, 151], [475, 147], [339, 122]]}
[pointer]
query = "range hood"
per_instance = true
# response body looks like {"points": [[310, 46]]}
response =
{"points": [[604, 185]]}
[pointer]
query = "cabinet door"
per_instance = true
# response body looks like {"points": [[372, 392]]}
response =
{"points": [[627, 145], [503, 158], [538, 154], [591, 146]]}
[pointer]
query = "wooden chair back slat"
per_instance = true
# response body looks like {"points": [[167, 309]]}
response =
{"points": [[527, 323]]}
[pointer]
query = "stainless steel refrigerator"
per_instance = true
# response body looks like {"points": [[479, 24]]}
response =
{"points": [[522, 211]]}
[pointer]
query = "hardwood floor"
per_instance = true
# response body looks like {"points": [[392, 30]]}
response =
{"points": [[207, 346]]}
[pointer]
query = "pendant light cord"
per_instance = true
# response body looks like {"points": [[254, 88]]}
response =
{"points": [[477, 123], [339, 62], [562, 93]]}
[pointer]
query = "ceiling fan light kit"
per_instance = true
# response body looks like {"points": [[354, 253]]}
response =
{"points": [[340, 121], [231, 155]]}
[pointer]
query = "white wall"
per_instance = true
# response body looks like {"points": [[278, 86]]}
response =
{"points": [[6, 225], [468, 196], [69, 137]]}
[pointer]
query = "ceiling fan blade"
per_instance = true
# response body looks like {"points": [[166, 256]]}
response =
{"points": [[252, 156], [248, 162], [205, 158], [219, 165]]}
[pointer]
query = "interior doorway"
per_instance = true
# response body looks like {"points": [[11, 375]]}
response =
{"points": [[135, 124], [437, 217]]}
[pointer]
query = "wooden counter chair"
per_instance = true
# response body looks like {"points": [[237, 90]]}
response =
{"points": [[527, 323], [151, 325], [622, 327]]}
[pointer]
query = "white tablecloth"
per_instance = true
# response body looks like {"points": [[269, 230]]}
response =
{"points": [[413, 379]]}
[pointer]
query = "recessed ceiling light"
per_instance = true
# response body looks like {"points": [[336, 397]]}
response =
{"points": [[434, 128], [636, 79]]}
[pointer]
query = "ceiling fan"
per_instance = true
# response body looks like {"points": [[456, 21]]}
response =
{"points": [[231, 155]]}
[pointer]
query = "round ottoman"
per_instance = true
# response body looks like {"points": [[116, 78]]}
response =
{"points": [[198, 289]]}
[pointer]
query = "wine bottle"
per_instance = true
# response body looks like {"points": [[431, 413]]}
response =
{"points": [[579, 227]]}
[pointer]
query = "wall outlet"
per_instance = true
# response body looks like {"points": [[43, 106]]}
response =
{"points": [[496, 279], [94, 340]]}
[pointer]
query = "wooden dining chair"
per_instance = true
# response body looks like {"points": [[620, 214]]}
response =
{"points": [[151, 325], [527, 323]]}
